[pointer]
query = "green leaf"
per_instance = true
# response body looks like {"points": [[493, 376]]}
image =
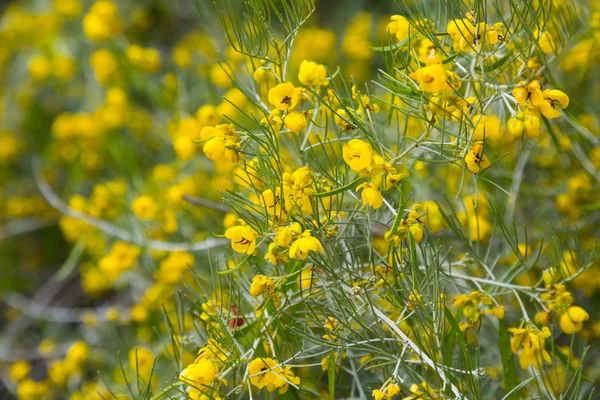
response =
{"points": [[247, 333], [574, 120], [496, 64], [164, 391], [397, 221], [451, 58], [331, 375], [197, 141], [293, 274], [592, 206], [562, 357], [508, 362], [240, 265], [519, 387], [413, 261], [451, 340], [394, 46], [551, 133], [464, 347], [72, 260], [339, 189]]}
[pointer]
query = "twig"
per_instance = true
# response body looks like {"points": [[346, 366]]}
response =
{"points": [[109, 228], [206, 203], [418, 352], [516, 183], [25, 225], [43, 312]]}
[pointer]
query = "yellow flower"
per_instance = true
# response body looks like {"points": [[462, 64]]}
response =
{"points": [[475, 159], [102, 22], [59, 372], [215, 148], [141, 360], [398, 27], [40, 68], [121, 257], [572, 320], [203, 372], [530, 342], [433, 217], [63, 67], [342, 120], [467, 36], [497, 312], [243, 238], [272, 201], [370, 195], [19, 370], [220, 74], [470, 303], [145, 59], [533, 122], [392, 180], [68, 8], [521, 95], [487, 127], [297, 190], [261, 372], [554, 100], [283, 377], [221, 142], [283, 96], [78, 354], [264, 372], [536, 96], [432, 78], [462, 32], [416, 230], [307, 279], [557, 296], [208, 115], [304, 244], [276, 254], [273, 121], [174, 266], [393, 390], [106, 66], [542, 318], [378, 394], [144, 207], [261, 284], [261, 75], [479, 227], [357, 154], [212, 351], [46, 346], [10, 146], [151, 61], [422, 391], [312, 74], [495, 33], [515, 127], [32, 390], [545, 42], [295, 121], [285, 235]]}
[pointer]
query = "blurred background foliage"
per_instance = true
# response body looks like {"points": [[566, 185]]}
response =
{"points": [[85, 127]]}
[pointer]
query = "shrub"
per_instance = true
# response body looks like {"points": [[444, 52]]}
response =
{"points": [[293, 199]]}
